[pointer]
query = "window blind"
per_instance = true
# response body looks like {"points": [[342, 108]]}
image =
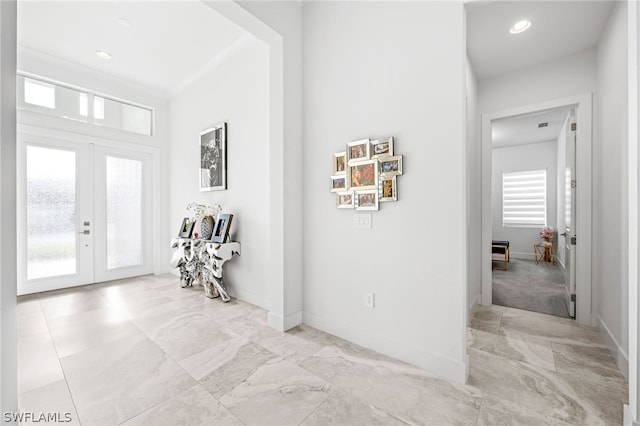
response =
{"points": [[524, 198]]}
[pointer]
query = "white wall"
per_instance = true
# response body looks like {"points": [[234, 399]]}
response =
{"points": [[8, 334], [235, 92], [537, 156], [383, 69], [610, 186], [564, 77], [474, 188], [560, 176]]}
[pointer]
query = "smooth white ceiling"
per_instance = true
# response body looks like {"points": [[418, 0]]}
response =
{"points": [[167, 44], [559, 28], [524, 129]]}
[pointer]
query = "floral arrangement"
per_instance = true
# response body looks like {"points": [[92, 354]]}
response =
{"points": [[547, 233], [203, 210]]}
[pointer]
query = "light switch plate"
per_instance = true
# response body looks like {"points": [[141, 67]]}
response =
{"points": [[369, 300], [362, 221]]}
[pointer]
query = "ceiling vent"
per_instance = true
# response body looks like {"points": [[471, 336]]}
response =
{"points": [[540, 125]]}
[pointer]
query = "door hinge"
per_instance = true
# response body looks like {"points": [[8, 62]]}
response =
{"points": [[573, 241], [574, 183], [574, 126], [573, 297]]}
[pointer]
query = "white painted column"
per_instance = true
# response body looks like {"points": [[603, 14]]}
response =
{"points": [[631, 411], [8, 334]]}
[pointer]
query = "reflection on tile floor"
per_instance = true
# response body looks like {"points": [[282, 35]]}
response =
{"points": [[144, 351]]}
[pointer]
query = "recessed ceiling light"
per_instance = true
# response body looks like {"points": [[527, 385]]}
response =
{"points": [[124, 22], [520, 26], [102, 54]]}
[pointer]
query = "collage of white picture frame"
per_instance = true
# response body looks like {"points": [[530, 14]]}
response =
{"points": [[364, 175]]}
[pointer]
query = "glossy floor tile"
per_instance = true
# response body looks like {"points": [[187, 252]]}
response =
{"points": [[277, 393], [114, 382], [144, 351], [53, 398], [194, 406]]}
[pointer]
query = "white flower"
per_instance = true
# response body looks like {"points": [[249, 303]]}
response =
{"points": [[202, 210]]}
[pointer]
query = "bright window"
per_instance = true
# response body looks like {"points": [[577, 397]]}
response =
{"points": [[120, 115], [39, 93], [524, 198], [84, 104], [98, 108], [61, 101]]}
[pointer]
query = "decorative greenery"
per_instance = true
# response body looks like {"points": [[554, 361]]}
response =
{"points": [[202, 210]]}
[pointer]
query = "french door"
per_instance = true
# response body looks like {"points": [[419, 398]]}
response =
{"points": [[83, 214]]}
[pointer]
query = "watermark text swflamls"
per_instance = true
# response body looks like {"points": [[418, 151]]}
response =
{"points": [[45, 417]]}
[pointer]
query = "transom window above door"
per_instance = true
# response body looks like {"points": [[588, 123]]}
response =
{"points": [[38, 95]]}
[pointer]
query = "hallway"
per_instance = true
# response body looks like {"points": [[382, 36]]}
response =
{"points": [[145, 351]]}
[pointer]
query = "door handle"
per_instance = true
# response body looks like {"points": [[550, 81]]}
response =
{"points": [[564, 234], [85, 232]]}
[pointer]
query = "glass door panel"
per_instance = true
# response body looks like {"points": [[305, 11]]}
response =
{"points": [[51, 212], [124, 212], [53, 205]]}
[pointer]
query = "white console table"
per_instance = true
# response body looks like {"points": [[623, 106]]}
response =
{"points": [[201, 261]]}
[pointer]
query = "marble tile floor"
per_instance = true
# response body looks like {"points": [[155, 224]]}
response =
{"points": [[144, 351]]}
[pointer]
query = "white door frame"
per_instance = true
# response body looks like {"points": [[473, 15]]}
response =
{"points": [[583, 105], [632, 410]]}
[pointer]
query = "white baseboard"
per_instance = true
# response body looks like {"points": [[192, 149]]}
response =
{"points": [[279, 323], [474, 302], [249, 297], [628, 419], [436, 364], [621, 357]]}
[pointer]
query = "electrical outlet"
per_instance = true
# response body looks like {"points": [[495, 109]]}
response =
{"points": [[369, 300], [362, 221]]}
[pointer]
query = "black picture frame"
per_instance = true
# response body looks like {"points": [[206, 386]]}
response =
{"points": [[186, 229], [221, 228], [213, 158]]}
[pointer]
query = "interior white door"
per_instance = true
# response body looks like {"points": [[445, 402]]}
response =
{"points": [[569, 235], [123, 213], [55, 238]]}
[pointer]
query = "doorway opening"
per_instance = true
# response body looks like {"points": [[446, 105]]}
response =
{"points": [[572, 291], [533, 166]]}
